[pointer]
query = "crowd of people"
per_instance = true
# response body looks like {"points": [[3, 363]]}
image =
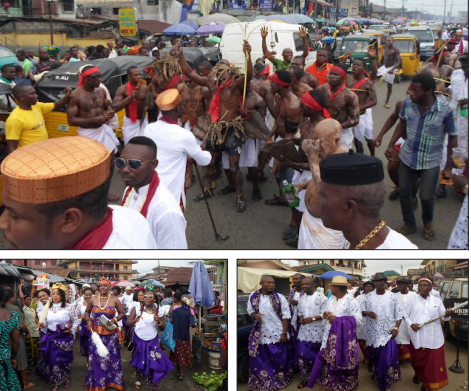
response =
{"points": [[43, 330], [321, 334], [218, 118]]}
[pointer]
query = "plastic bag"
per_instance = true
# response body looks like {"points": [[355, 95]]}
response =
{"points": [[197, 348], [167, 337]]}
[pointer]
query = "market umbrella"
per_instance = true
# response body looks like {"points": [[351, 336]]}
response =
{"points": [[321, 20], [346, 22], [211, 28], [396, 21], [333, 273], [151, 283], [180, 29], [283, 18], [374, 20], [218, 17], [213, 39], [125, 284], [365, 20], [301, 19], [200, 288]]}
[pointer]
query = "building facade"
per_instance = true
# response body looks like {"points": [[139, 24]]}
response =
{"points": [[355, 268], [114, 270], [433, 266], [37, 264]]}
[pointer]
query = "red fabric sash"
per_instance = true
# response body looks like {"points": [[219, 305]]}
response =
{"points": [[215, 102], [266, 70], [277, 80], [132, 104], [174, 82], [88, 72], [461, 47], [154, 184], [98, 236], [309, 101], [359, 84], [332, 97], [168, 120]]}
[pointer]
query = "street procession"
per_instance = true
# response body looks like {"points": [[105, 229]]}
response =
{"points": [[186, 132], [316, 326], [164, 329]]}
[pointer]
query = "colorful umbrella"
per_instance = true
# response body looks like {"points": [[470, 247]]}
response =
{"points": [[333, 273], [346, 22], [180, 29], [151, 283], [125, 284], [213, 39], [283, 18], [211, 28], [301, 19]]}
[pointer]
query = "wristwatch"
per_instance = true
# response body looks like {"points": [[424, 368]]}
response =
{"points": [[284, 333]]}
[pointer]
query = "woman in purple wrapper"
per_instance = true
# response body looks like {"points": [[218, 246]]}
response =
{"points": [[104, 372], [59, 321], [137, 304], [85, 334], [152, 365]]}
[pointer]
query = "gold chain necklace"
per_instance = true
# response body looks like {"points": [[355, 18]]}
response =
{"points": [[99, 301], [370, 235]]}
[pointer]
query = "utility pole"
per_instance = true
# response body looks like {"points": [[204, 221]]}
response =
{"points": [[444, 13], [401, 271], [402, 10], [451, 9], [384, 13], [336, 11]]}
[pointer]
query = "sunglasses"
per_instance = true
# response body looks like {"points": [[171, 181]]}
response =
{"points": [[134, 164], [148, 296]]}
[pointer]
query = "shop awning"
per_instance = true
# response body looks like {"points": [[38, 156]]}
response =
{"points": [[249, 278], [462, 265]]}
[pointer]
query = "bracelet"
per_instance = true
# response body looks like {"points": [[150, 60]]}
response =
{"points": [[284, 333], [395, 328]]}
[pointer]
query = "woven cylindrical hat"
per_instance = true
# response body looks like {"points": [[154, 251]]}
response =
{"points": [[169, 99], [55, 169]]}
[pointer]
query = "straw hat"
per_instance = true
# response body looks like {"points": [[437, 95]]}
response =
{"points": [[339, 281]]}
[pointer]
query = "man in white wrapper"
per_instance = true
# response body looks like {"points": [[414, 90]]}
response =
{"points": [[384, 315], [392, 62], [174, 144], [90, 110], [310, 309], [403, 338], [146, 194], [427, 343], [368, 286]]}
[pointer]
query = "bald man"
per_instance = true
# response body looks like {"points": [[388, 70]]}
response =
{"points": [[326, 141], [271, 341]]}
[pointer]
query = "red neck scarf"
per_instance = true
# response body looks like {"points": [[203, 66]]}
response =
{"points": [[88, 72], [154, 184], [174, 82], [461, 47], [215, 102], [359, 84], [309, 101], [132, 104], [98, 236], [169, 120], [332, 97], [277, 80]]}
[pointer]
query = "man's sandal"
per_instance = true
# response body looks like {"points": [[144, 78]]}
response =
{"points": [[429, 234], [387, 106], [227, 190], [303, 384], [240, 203], [30, 385], [200, 197], [137, 385], [405, 230]]}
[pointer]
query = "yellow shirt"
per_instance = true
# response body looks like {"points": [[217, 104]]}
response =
{"points": [[27, 126]]}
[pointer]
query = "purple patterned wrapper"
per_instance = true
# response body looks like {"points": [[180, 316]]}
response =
{"points": [[152, 365], [333, 370], [306, 353], [84, 339], [271, 369], [56, 355], [386, 366]]}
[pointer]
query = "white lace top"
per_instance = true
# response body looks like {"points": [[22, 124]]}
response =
{"points": [[388, 310], [146, 328], [404, 330], [61, 315], [294, 318], [361, 328], [134, 304], [310, 306], [272, 326], [346, 306]]}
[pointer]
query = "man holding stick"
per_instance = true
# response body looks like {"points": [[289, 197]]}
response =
{"points": [[427, 343]]}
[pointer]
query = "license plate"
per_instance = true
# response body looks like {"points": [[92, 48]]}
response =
{"points": [[63, 128]]}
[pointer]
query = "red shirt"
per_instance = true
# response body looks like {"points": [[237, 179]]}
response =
{"points": [[322, 75]]}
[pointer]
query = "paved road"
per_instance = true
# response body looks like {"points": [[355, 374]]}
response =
{"points": [[79, 371], [456, 381], [262, 226]]}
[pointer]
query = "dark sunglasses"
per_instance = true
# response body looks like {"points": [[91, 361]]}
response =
{"points": [[134, 164]]}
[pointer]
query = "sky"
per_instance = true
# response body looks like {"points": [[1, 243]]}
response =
{"points": [[375, 266], [147, 265], [432, 6]]}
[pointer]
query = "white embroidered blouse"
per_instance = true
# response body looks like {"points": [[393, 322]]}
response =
{"points": [[61, 315], [310, 306]]}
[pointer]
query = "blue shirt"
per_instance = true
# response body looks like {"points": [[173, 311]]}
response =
{"points": [[182, 320], [423, 148]]}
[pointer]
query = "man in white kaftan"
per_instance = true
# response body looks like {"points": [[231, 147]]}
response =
{"points": [[403, 337]]}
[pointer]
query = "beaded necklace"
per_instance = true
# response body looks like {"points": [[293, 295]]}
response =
{"points": [[107, 302]]}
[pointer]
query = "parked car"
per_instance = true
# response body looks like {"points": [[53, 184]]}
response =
{"points": [[7, 57], [244, 327], [426, 40], [454, 288]]}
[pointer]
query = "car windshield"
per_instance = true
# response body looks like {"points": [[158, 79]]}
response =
{"points": [[422, 35], [355, 46], [4, 52], [464, 290], [405, 46], [377, 27]]}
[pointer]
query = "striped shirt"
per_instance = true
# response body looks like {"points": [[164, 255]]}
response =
{"points": [[423, 148]]}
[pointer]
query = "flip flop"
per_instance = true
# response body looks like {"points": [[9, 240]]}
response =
{"points": [[302, 385], [387, 106], [429, 234], [29, 385], [137, 385], [181, 378], [405, 230]]}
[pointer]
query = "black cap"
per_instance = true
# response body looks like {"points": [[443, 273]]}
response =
{"points": [[403, 281], [368, 283], [351, 169], [380, 276]]}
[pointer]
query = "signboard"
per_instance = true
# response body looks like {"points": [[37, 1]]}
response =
{"points": [[237, 4], [460, 313], [343, 13], [266, 5], [127, 22], [42, 280]]}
